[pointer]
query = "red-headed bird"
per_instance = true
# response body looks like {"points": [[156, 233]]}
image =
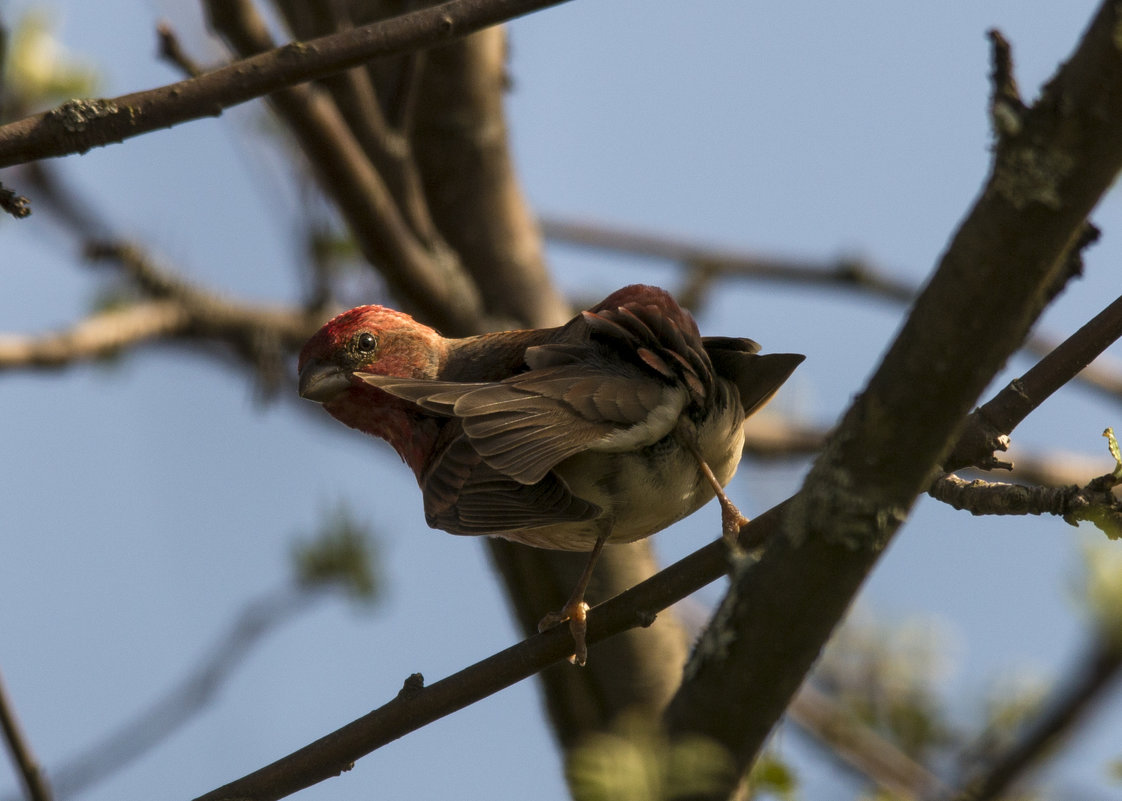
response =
{"points": [[606, 429]]}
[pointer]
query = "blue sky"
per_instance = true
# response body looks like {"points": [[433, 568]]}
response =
{"points": [[149, 501]]}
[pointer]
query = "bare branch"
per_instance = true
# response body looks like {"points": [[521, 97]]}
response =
{"points": [[426, 276], [989, 426], [16, 205], [1007, 257], [706, 263], [1006, 106], [411, 710], [78, 125], [172, 51], [1072, 503], [35, 784], [97, 336]]}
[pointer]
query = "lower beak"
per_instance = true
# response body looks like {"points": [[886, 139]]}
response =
{"points": [[322, 381]]}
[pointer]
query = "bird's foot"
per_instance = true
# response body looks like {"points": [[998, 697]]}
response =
{"points": [[576, 612], [731, 521]]}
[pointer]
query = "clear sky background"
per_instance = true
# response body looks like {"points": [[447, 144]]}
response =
{"points": [[143, 504]]}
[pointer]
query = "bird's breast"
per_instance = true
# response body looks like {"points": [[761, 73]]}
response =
{"points": [[645, 490]]}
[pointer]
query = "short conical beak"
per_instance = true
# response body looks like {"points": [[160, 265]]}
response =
{"points": [[322, 381]]}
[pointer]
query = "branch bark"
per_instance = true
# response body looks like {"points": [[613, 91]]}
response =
{"points": [[1003, 264]]}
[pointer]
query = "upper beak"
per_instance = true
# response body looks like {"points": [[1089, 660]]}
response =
{"points": [[321, 381]]}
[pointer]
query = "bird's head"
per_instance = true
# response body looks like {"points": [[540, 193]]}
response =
{"points": [[367, 339], [380, 341]]}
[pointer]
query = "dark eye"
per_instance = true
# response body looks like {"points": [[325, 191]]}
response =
{"points": [[366, 342]]}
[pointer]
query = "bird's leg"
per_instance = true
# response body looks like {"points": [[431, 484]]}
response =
{"points": [[731, 518], [575, 609]]}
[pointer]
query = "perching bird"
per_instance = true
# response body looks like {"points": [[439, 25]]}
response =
{"points": [[606, 429]]}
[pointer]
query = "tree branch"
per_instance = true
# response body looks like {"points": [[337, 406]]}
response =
{"points": [[426, 276], [23, 757], [78, 125], [419, 705], [706, 263], [1072, 503], [989, 426], [1003, 264]]}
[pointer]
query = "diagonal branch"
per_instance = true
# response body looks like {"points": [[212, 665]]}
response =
{"points": [[78, 125], [989, 426], [417, 705], [1003, 265], [426, 276], [34, 782]]}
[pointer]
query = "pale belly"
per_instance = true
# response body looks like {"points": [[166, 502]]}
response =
{"points": [[642, 492]]}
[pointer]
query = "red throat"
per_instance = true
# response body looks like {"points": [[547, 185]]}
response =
{"points": [[381, 415]]}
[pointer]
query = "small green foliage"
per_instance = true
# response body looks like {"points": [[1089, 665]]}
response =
{"points": [[772, 776], [1112, 443], [1100, 588], [635, 761], [1114, 770], [1104, 516], [39, 69], [1014, 699], [887, 676], [339, 554]]}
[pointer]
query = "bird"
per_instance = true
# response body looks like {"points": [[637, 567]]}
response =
{"points": [[603, 430]]}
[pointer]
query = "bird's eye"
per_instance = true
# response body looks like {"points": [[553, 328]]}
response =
{"points": [[366, 342]]}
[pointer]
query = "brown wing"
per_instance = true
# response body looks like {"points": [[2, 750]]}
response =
{"points": [[615, 378], [524, 426], [465, 495]]}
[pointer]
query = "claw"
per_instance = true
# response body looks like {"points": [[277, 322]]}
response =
{"points": [[576, 612]]}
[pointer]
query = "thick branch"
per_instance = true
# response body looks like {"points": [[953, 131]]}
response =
{"points": [[997, 274], [78, 125]]}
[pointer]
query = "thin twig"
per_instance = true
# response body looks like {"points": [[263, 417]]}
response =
{"points": [[107, 333], [172, 50], [97, 336], [711, 262], [1073, 503], [35, 784], [988, 427], [425, 276], [16, 205]]}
